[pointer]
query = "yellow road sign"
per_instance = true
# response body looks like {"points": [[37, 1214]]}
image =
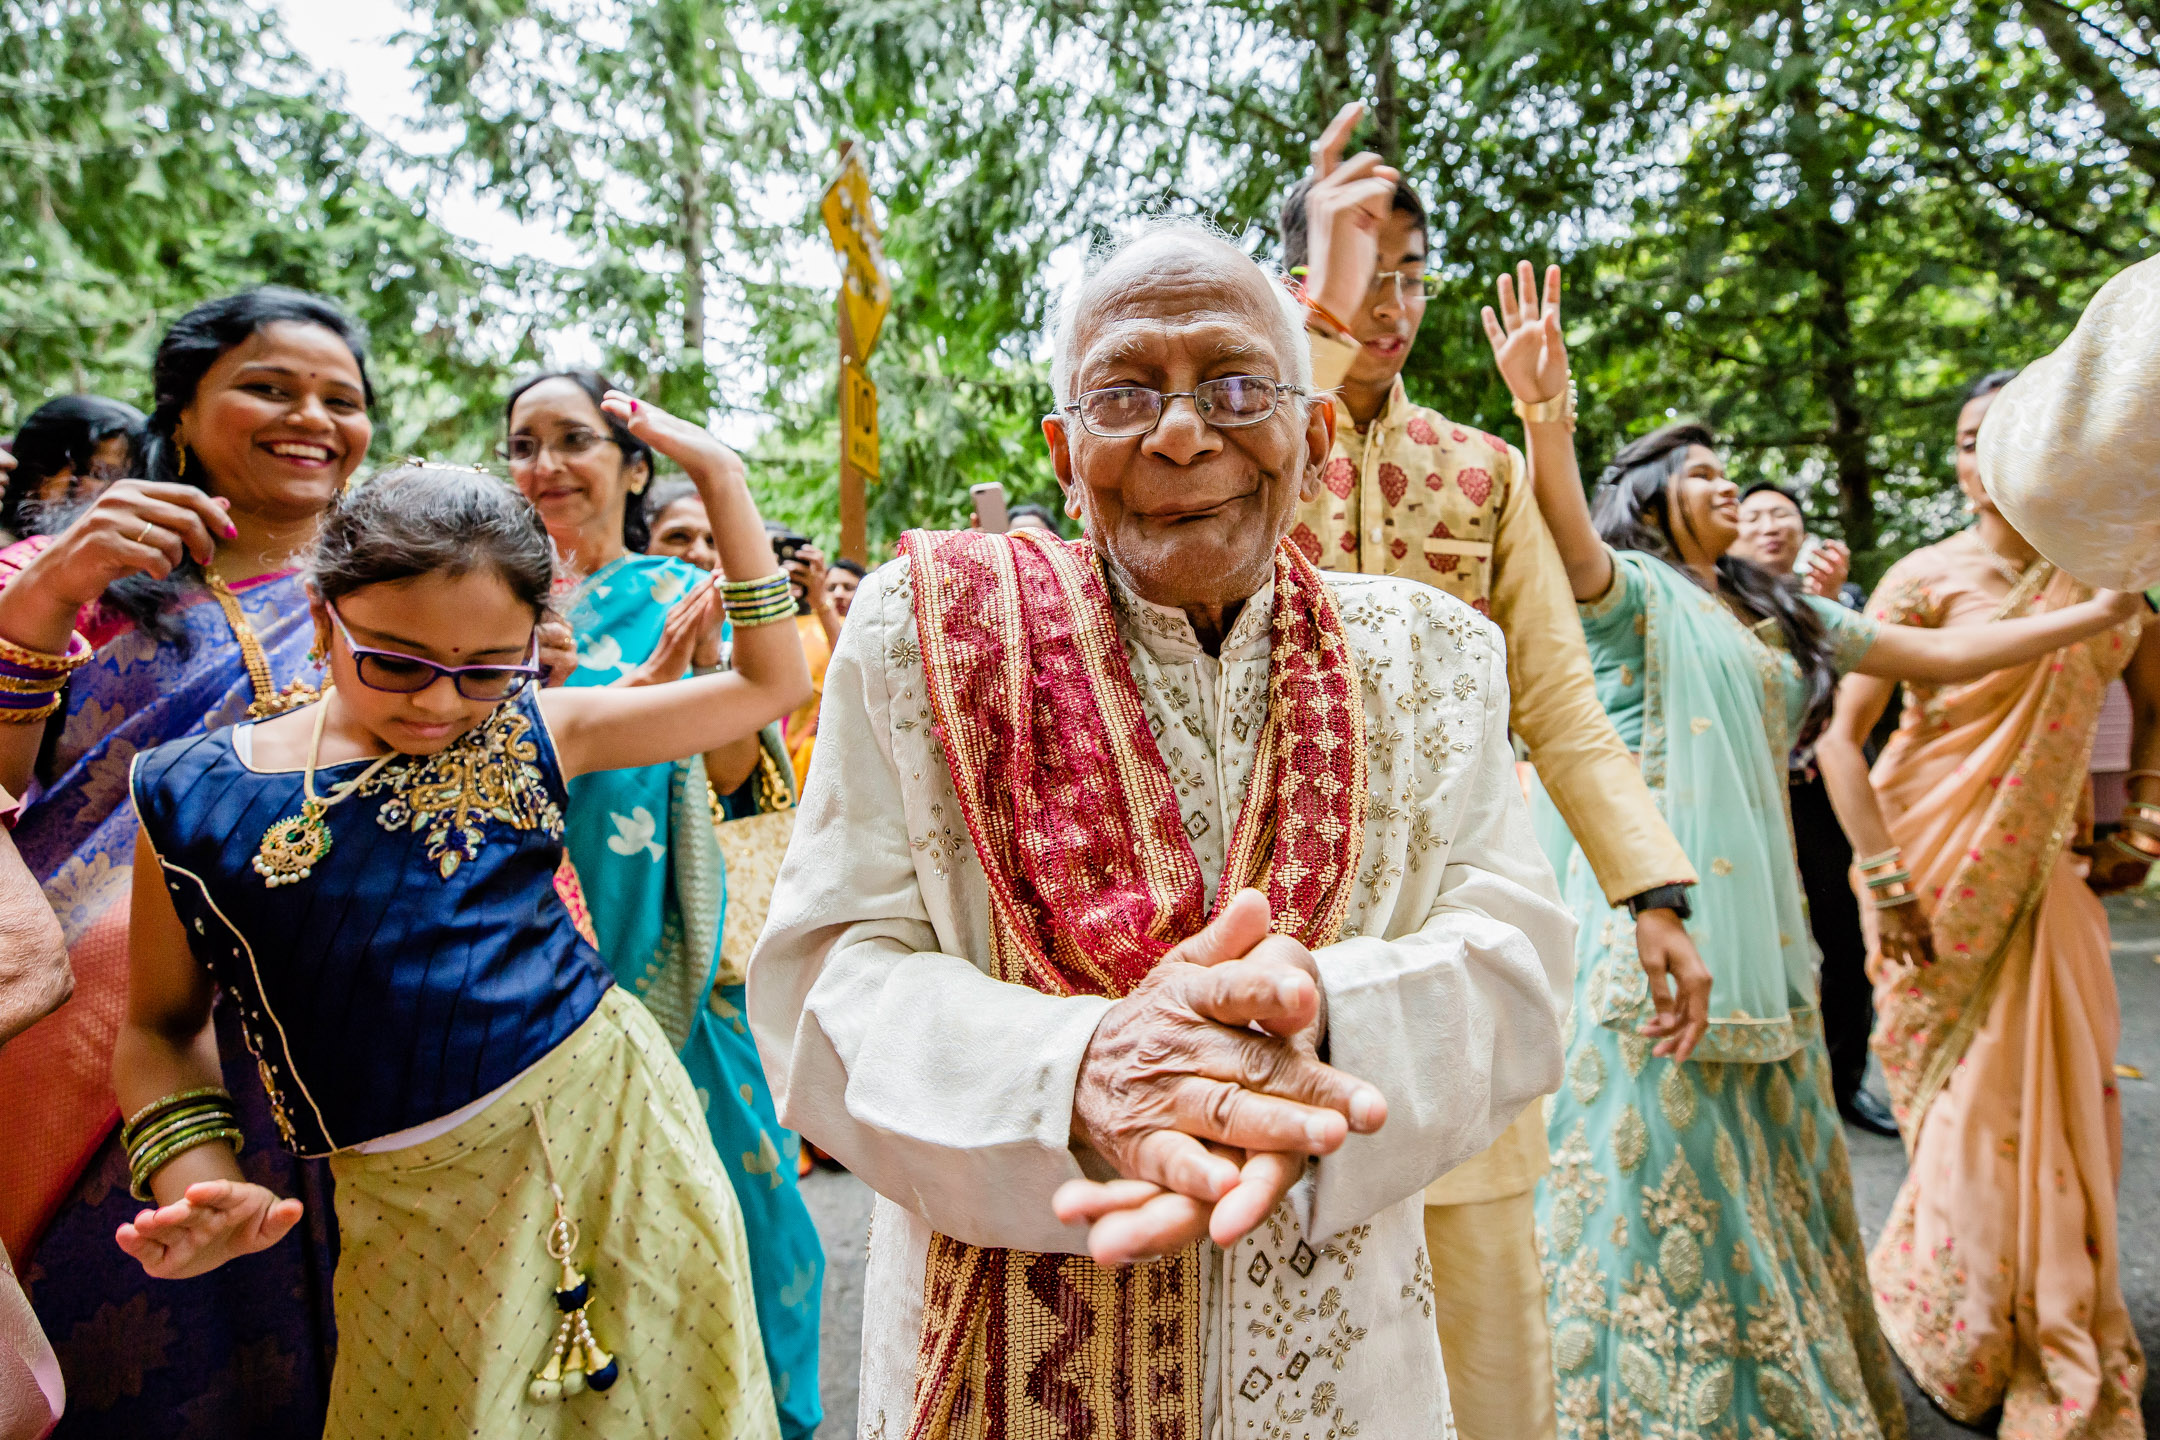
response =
{"points": [[852, 223], [858, 419]]}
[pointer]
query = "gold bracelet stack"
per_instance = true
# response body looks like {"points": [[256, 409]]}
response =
{"points": [[163, 1130], [2139, 835], [1888, 880], [31, 681], [758, 602]]}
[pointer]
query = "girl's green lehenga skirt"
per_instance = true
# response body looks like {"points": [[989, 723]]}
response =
{"points": [[445, 1289]]}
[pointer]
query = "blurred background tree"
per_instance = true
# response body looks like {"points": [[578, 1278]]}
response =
{"points": [[1810, 223], [153, 156]]}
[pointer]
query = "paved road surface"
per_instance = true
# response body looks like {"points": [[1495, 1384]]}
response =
{"points": [[842, 1204]]}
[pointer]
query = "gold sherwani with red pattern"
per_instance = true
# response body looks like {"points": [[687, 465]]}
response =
{"points": [[1427, 498]]}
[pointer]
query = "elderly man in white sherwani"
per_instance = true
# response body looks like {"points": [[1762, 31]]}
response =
{"points": [[1150, 1147]]}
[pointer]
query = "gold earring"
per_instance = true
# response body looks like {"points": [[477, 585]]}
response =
{"points": [[181, 468]]}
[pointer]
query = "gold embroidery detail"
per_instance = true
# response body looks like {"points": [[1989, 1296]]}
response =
{"points": [[491, 773], [1631, 1139], [1676, 1096], [1720, 866], [1587, 1075]]}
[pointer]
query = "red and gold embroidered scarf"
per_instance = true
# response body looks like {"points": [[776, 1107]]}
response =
{"points": [[1092, 880]]}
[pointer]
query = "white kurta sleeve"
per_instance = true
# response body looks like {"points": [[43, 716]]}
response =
{"points": [[1457, 1023], [948, 1092]]}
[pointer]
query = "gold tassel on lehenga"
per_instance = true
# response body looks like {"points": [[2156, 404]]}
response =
{"points": [[576, 1361]]}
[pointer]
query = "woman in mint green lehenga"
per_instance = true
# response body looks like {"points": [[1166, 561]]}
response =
{"points": [[1704, 1269], [643, 846]]}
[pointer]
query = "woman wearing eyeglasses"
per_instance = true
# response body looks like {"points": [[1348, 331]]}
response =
{"points": [[642, 839], [536, 1236]]}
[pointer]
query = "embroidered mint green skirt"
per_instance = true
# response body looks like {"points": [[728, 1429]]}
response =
{"points": [[1703, 1262]]}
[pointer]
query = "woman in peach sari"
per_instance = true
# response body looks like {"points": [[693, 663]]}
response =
{"points": [[1996, 1277]]}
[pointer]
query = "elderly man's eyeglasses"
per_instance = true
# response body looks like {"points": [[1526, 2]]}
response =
{"points": [[524, 449], [1119, 412], [1408, 287]]}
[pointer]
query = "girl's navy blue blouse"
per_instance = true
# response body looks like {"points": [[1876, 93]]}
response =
{"points": [[427, 958]]}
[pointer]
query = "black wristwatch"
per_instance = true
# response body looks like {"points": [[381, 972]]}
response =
{"points": [[1660, 897]]}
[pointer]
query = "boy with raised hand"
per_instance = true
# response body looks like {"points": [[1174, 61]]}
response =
{"points": [[1411, 493]]}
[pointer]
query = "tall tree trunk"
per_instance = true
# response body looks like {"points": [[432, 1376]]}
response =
{"points": [[1828, 246], [696, 218], [1840, 378], [1387, 104]]}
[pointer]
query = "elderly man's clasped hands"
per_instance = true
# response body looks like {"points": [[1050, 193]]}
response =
{"points": [[1204, 1090]]}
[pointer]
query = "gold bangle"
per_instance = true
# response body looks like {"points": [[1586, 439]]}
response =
{"points": [[2122, 838], [2124, 847], [1560, 407], [29, 717], [32, 685], [2141, 825], [77, 655]]}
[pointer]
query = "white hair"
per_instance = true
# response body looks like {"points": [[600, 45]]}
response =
{"points": [[1185, 236]]}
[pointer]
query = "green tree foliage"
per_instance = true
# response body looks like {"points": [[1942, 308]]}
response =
{"points": [[1811, 223], [153, 156], [638, 127]]}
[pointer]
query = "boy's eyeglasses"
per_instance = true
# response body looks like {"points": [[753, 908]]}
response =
{"points": [[524, 449], [1409, 286], [1118, 412], [396, 673]]}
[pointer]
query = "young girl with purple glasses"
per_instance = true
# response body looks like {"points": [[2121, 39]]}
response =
{"points": [[536, 1235]]}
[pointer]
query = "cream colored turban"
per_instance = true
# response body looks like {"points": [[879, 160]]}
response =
{"points": [[2070, 450]]}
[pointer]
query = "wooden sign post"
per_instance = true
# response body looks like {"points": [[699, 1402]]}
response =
{"points": [[865, 297]]}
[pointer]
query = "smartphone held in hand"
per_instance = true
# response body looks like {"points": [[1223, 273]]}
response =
{"points": [[990, 513]]}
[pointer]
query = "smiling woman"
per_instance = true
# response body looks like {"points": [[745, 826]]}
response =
{"points": [[175, 602]]}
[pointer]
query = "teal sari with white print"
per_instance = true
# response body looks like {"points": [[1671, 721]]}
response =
{"points": [[642, 841]]}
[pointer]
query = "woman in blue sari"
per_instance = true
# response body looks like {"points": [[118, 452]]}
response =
{"points": [[183, 588], [643, 845], [1703, 1261]]}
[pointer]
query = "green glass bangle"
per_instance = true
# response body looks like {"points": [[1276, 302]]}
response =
{"points": [[1894, 853], [1893, 901], [183, 1099], [755, 589], [144, 1169], [1895, 877]]}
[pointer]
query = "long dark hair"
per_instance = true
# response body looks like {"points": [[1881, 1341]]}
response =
{"points": [[636, 528], [1632, 511], [64, 434], [432, 520], [195, 342]]}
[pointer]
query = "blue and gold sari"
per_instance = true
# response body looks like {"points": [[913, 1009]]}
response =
{"points": [[244, 1351], [651, 869]]}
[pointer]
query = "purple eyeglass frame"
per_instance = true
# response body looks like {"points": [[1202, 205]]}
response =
{"points": [[530, 670]]}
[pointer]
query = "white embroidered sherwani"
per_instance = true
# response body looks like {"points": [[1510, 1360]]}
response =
{"points": [[950, 1093]]}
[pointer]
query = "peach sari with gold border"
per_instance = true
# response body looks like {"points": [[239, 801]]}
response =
{"points": [[1996, 1276]]}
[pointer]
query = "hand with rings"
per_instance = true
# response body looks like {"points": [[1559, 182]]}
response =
{"points": [[137, 527]]}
